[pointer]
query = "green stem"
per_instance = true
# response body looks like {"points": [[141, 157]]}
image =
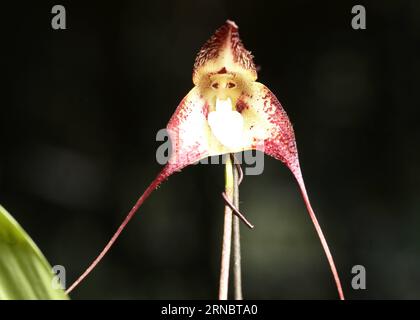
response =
{"points": [[237, 272], [227, 232]]}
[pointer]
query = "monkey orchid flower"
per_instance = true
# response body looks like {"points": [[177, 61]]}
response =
{"points": [[227, 111]]}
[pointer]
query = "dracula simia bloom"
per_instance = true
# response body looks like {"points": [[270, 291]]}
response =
{"points": [[227, 111]]}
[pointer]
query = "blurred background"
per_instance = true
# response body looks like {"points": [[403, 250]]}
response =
{"points": [[79, 113]]}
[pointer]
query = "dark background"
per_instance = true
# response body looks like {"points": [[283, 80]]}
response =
{"points": [[80, 109]]}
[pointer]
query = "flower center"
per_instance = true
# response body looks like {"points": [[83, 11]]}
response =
{"points": [[226, 124]]}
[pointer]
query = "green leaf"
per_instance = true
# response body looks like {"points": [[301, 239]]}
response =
{"points": [[24, 271]]}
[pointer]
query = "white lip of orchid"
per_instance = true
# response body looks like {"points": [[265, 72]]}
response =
{"points": [[226, 124], [223, 105]]}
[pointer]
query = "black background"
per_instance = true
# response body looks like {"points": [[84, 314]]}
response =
{"points": [[80, 109]]}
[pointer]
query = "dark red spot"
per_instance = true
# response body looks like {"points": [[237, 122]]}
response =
{"points": [[240, 106]]}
